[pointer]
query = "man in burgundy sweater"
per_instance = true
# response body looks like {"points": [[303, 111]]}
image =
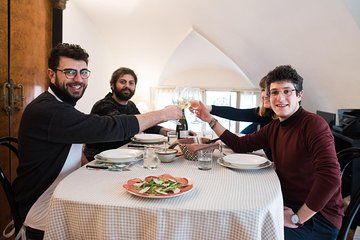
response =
{"points": [[304, 155]]}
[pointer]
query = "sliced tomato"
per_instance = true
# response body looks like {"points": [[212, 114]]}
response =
{"points": [[148, 178], [167, 176]]}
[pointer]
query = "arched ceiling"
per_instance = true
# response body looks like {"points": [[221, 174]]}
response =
{"points": [[321, 39]]}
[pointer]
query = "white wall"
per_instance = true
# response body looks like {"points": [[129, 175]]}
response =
{"points": [[167, 43]]}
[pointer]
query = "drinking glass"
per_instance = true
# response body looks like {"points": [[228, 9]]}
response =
{"points": [[204, 159], [151, 161], [195, 98], [172, 136], [181, 98]]}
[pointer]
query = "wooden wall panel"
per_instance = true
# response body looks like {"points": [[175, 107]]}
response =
{"points": [[30, 44]]}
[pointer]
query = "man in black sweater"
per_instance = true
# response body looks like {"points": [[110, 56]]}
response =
{"points": [[123, 85], [52, 132]]}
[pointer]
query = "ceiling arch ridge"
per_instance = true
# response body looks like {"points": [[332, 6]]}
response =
{"points": [[197, 57]]}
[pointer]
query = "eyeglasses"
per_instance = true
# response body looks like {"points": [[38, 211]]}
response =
{"points": [[71, 73], [285, 92]]}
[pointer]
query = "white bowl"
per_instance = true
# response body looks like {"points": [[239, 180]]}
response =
{"points": [[166, 155]]}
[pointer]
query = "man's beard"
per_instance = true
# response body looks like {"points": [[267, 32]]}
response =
{"points": [[61, 92], [123, 97]]}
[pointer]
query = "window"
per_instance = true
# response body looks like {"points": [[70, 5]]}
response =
{"points": [[161, 97]]}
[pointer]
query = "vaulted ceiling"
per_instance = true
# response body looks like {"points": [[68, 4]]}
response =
{"points": [[321, 39]]}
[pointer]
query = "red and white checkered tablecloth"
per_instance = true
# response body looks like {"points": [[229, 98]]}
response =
{"points": [[224, 204]]}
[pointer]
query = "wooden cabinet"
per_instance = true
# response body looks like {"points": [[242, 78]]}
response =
{"points": [[25, 42]]}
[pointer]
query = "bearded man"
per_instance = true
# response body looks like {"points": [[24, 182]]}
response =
{"points": [[123, 85], [52, 133]]}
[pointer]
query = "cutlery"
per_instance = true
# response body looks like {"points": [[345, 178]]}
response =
{"points": [[97, 167], [114, 167], [136, 146]]}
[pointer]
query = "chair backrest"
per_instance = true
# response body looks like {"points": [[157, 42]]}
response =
{"points": [[351, 217], [346, 157], [10, 143]]}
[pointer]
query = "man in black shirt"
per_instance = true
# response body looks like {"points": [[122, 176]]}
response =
{"points": [[123, 85], [52, 133]]}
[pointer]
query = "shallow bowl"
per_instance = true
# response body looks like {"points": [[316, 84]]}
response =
{"points": [[167, 155]]}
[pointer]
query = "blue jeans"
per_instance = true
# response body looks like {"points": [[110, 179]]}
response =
{"points": [[316, 228]]}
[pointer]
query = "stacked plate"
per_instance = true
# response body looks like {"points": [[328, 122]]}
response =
{"points": [[119, 155], [148, 138], [244, 161]]}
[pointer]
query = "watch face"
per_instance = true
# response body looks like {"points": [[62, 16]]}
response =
{"points": [[294, 219]]}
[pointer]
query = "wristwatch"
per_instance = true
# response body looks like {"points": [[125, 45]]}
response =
{"points": [[296, 220]]}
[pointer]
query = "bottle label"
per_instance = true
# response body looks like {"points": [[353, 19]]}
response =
{"points": [[184, 133]]}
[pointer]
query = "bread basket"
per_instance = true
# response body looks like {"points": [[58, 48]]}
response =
{"points": [[190, 146]]}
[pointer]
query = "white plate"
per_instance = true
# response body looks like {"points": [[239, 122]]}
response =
{"points": [[249, 167], [244, 160], [119, 155], [190, 182], [149, 138], [148, 142]]}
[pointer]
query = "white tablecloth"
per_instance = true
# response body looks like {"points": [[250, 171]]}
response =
{"points": [[224, 204]]}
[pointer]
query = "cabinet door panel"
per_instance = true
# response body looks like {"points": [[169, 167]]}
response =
{"points": [[30, 42]]}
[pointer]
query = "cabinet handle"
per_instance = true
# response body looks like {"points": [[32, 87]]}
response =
{"points": [[12, 97]]}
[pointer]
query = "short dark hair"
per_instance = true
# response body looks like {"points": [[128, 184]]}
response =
{"points": [[66, 50], [284, 73], [121, 72]]}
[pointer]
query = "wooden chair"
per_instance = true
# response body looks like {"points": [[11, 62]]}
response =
{"points": [[11, 144]]}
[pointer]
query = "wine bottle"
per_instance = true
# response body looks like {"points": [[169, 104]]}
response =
{"points": [[182, 128]]}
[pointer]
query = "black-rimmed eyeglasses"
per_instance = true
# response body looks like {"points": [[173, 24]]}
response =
{"points": [[71, 73]]}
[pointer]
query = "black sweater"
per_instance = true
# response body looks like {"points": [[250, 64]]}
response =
{"points": [[108, 106], [47, 130]]}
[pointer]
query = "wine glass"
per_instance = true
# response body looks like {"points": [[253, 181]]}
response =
{"points": [[181, 98], [195, 98]]}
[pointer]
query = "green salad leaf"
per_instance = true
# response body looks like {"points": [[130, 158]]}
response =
{"points": [[158, 186]]}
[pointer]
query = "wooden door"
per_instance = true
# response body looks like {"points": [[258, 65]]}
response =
{"points": [[25, 42]]}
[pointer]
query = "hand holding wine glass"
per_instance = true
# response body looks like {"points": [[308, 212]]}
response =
{"points": [[195, 102]]}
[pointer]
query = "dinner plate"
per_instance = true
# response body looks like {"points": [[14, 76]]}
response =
{"points": [[128, 187], [244, 167], [119, 155], [149, 138], [148, 142], [244, 160]]}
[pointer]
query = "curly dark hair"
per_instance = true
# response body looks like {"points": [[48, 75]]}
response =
{"points": [[121, 72], [285, 73], [66, 50]]}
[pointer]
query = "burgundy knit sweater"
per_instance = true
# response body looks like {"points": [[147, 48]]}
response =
{"points": [[303, 151]]}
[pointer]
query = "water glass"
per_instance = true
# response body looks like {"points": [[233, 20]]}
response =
{"points": [[151, 161], [204, 159], [172, 136]]}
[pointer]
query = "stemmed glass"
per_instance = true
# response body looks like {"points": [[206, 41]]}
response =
{"points": [[181, 98], [195, 96]]}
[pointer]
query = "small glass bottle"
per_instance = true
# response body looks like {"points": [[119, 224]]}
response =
{"points": [[182, 128]]}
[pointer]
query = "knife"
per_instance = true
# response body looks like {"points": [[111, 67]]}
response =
{"points": [[97, 167], [136, 146]]}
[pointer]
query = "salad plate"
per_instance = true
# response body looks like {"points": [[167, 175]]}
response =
{"points": [[119, 155], [162, 186], [265, 164], [148, 138]]}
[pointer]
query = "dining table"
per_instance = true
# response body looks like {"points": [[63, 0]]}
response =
{"points": [[224, 203]]}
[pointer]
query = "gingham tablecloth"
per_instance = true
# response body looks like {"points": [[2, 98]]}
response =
{"points": [[224, 204]]}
